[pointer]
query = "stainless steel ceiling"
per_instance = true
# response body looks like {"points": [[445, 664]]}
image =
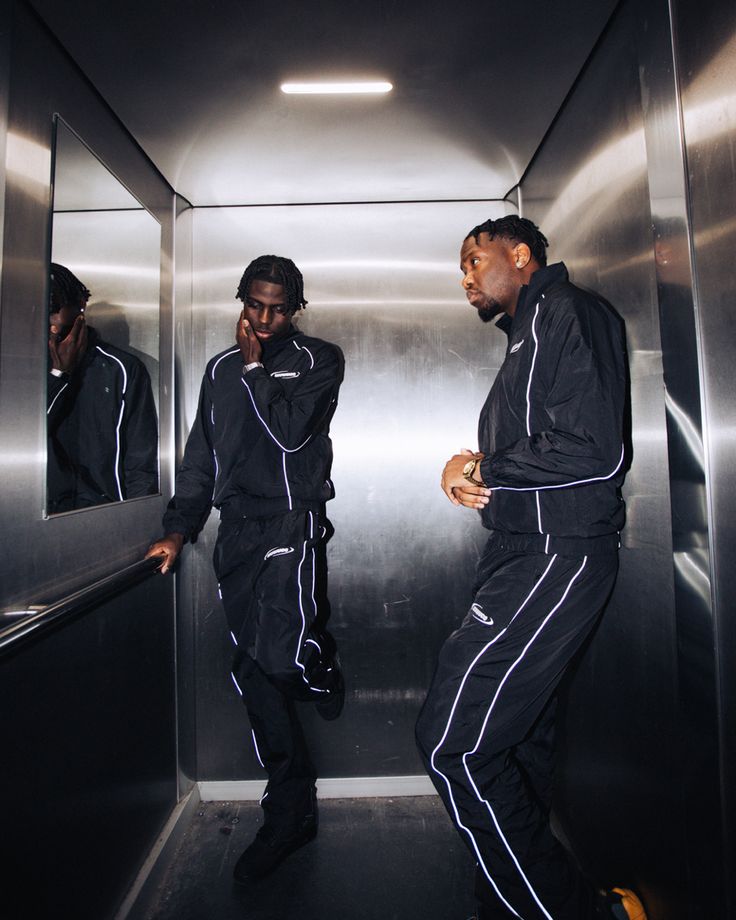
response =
{"points": [[476, 86]]}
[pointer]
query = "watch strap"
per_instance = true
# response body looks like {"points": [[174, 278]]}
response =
{"points": [[471, 466]]}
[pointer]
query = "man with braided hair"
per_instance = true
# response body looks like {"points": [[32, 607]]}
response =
{"points": [[546, 480], [102, 427], [260, 452]]}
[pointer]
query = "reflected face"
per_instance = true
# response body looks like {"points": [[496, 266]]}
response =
{"points": [[490, 277], [61, 322], [267, 310]]}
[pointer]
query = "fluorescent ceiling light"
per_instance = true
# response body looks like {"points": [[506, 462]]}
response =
{"points": [[345, 88]]}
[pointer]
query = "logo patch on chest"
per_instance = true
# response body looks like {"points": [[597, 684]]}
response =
{"points": [[285, 374], [477, 612], [515, 348], [279, 551]]}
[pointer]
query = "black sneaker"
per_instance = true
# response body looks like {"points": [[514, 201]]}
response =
{"points": [[270, 847], [620, 904], [330, 705]]}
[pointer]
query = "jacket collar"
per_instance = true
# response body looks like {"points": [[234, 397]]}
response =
{"points": [[542, 279], [273, 348], [93, 340]]}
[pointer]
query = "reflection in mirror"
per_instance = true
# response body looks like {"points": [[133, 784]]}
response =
{"points": [[103, 336]]}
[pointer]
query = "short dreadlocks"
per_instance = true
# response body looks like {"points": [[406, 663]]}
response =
{"points": [[516, 230], [65, 289], [276, 270]]}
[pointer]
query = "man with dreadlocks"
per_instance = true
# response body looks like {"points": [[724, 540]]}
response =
{"points": [[259, 451], [102, 428], [546, 481]]}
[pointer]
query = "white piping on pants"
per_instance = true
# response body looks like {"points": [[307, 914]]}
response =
{"points": [[449, 723]]}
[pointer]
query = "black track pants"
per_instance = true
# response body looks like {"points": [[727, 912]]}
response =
{"points": [[269, 571], [486, 729]]}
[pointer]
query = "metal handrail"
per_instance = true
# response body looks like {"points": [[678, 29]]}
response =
{"points": [[76, 602]]}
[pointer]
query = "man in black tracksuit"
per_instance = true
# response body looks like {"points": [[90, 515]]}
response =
{"points": [[259, 451], [101, 416], [546, 480]]}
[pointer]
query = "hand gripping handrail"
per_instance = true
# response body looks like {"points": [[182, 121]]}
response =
{"points": [[32, 623]]}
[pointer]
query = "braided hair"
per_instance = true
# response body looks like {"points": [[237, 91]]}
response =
{"points": [[276, 270], [65, 289], [515, 229]]}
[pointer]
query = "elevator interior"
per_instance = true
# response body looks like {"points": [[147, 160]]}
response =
{"points": [[150, 144]]}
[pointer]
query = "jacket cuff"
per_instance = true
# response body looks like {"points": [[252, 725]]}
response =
{"points": [[486, 473]]}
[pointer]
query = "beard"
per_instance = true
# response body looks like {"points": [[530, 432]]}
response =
{"points": [[489, 312]]}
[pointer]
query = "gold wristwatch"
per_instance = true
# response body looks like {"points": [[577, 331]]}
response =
{"points": [[469, 469]]}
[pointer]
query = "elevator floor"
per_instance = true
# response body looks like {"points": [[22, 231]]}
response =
{"points": [[373, 859]]}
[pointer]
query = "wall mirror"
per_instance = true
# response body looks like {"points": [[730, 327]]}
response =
{"points": [[103, 368]]}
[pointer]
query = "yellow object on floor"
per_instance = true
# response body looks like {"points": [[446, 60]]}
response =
{"points": [[631, 903]]}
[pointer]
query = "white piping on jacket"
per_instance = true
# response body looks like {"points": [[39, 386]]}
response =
{"points": [[48, 411], [120, 419], [564, 485], [221, 358], [287, 450], [311, 356], [286, 480]]}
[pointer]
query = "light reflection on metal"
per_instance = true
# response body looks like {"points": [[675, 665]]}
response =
{"points": [[228, 306], [324, 88], [443, 268], [616, 163], [27, 159], [693, 567], [23, 458], [689, 432], [121, 270]]}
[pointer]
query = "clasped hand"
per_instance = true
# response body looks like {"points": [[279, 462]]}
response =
{"points": [[457, 488]]}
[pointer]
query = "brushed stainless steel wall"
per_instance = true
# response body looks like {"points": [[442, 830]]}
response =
{"points": [[5, 20], [382, 282], [185, 382], [640, 781], [705, 41], [93, 726]]}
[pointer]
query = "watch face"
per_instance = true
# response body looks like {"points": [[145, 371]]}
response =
{"points": [[469, 467]]}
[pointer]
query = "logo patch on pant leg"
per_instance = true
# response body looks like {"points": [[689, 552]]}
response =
{"points": [[279, 551], [477, 612]]}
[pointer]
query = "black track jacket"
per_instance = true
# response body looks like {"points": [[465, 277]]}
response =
{"points": [[552, 426], [103, 431], [260, 440]]}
